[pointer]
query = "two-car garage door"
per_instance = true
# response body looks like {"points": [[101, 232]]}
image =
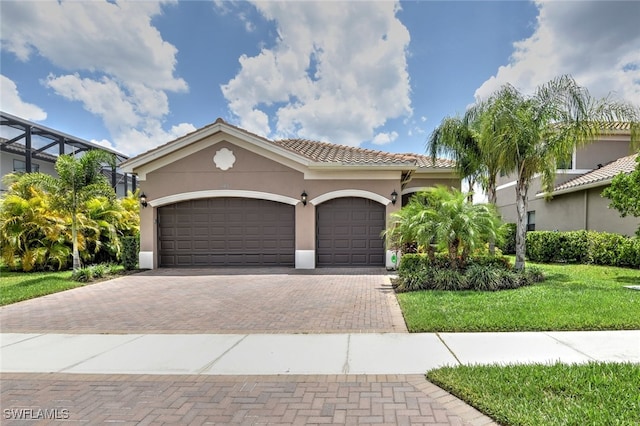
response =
{"points": [[226, 232], [252, 232]]}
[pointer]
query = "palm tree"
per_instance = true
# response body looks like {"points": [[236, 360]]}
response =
{"points": [[532, 134], [444, 217], [457, 137], [475, 157], [79, 180]]}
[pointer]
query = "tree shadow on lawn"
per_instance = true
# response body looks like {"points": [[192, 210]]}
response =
{"points": [[628, 280], [41, 280]]}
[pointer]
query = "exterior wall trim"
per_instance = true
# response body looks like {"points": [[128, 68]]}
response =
{"points": [[414, 189], [216, 193], [578, 188], [305, 259], [350, 193], [145, 259]]}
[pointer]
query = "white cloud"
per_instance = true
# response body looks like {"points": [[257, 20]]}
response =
{"points": [[122, 68], [13, 104], [104, 142], [337, 72], [115, 38], [598, 43], [384, 138]]}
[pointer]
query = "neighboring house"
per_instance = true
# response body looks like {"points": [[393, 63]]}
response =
{"points": [[222, 196], [576, 202], [29, 147]]}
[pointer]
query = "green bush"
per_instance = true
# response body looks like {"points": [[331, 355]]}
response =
{"points": [[483, 273], [130, 250], [82, 275], [447, 279], [508, 244], [482, 277], [599, 248], [98, 271], [499, 262]]}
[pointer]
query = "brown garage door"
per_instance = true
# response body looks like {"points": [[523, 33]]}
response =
{"points": [[226, 232], [348, 232]]}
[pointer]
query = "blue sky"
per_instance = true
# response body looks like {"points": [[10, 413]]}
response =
{"points": [[381, 75]]}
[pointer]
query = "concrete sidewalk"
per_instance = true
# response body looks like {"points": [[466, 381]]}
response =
{"points": [[301, 354]]}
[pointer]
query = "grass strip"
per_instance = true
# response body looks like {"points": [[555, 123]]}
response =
{"points": [[537, 395], [17, 286], [573, 297]]}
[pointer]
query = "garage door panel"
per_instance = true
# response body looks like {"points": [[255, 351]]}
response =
{"points": [[226, 231], [348, 232]]}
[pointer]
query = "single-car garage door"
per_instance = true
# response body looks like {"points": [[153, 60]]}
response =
{"points": [[348, 232], [226, 232]]}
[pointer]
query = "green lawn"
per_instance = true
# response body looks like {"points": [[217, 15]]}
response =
{"points": [[596, 394], [17, 286], [573, 297]]}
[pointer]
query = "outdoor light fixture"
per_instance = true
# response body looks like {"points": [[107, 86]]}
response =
{"points": [[143, 200], [303, 198], [394, 197]]}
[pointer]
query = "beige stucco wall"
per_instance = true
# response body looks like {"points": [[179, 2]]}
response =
{"points": [[604, 151], [421, 181], [585, 209], [255, 172]]}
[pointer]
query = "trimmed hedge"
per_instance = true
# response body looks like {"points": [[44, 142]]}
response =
{"points": [[130, 250], [599, 248], [508, 245]]}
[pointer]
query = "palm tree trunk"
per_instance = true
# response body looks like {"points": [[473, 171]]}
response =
{"points": [[522, 186], [74, 237], [453, 254], [493, 199]]}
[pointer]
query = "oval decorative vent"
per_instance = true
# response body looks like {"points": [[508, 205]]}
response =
{"points": [[224, 159]]}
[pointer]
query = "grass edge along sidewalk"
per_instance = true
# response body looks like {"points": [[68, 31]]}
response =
{"points": [[573, 297], [538, 395]]}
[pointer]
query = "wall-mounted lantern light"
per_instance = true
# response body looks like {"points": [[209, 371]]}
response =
{"points": [[394, 197], [303, 198], [143, 200]]}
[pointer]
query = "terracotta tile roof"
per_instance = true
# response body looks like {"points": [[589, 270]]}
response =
{"points": [[426, 161], [324, 152], [605, 173], [617, 125]]}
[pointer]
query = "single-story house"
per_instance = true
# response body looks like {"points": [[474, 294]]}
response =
{"points": [[222, 196]]}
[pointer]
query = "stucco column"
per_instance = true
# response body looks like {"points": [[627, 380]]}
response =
{"points": [[148, 258], [305, 236], [392, 256]]}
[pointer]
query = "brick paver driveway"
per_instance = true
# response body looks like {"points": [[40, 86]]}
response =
{"points": [[223, 301], [217, 301]]}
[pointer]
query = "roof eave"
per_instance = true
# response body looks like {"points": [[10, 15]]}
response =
{"points": [[578, 188], [218, 127], [365, 166]]}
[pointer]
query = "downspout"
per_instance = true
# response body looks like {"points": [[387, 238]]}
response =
{"points": [[586, 210]]}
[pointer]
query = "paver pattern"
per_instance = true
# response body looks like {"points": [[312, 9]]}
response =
{"points": [[223, 301], [233, 400], [217, 301]]}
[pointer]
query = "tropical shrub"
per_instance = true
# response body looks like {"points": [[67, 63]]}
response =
{"points": [[483, 273], [442, 218], [36, 234], [33, 235]]}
